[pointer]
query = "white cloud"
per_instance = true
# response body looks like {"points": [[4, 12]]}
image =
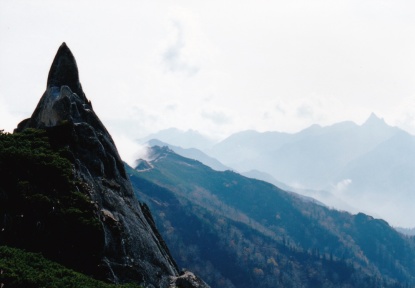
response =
{"points": [[216, 117], [317, 61], [130, 151], [8, 120], [402, 114], [341, 187], [173, 56], [305, 111]]}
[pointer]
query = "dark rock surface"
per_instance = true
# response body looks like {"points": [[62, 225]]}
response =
{"points": [[64, 71], [133, 249]]}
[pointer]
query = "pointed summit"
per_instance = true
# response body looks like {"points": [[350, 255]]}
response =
{"points": [[130, 248], [64, 71], [374, 120], [64, 99]]}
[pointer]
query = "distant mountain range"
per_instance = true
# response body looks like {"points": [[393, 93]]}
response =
{"points": [[183, 139], [240, 232], [368, 167]]}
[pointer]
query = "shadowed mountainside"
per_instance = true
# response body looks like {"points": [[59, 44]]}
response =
{"points": [[240, 232]]}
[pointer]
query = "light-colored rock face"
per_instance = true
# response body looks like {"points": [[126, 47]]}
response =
{"points": [[187, 280], [51, 114], [133, 250]]}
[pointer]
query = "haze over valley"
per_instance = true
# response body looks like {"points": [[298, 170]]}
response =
{"points": [[358, 168], [222, 144], [296, 68]]}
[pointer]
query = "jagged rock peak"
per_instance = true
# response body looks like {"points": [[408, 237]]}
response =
{"points": [[64, 99], [64, 71], [132, 249], [374, 120]]}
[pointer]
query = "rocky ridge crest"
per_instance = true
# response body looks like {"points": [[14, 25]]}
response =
{"points": [[133, 250]]}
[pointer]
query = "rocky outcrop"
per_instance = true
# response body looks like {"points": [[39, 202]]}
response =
{"points": [[133, 250], [187, 280]]}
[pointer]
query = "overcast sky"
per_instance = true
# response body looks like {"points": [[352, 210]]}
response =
{"points": [[216, 66]]}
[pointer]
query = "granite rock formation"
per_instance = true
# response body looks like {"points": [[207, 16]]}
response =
{"points": [[133, 250]]}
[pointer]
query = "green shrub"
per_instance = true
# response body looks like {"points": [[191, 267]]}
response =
{"points": [[19, 268], [43, 207]]}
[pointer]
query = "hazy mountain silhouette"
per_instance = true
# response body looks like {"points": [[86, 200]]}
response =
{"points": [[184, 139], [369, 166]]}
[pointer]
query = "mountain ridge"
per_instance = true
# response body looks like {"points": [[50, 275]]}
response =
{"points": [[318, 162], [316, 158], [192, 153], [186, 192]]}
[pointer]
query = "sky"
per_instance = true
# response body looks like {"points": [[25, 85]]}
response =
{"points": [[217, 67]]}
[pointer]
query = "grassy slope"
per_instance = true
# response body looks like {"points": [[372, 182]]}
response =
{"points": [[19, 268]]}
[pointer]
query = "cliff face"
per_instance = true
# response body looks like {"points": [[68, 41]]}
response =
{"points": [[132, 248]]}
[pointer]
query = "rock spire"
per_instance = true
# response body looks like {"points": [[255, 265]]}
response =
{"points": [[132, 250], [64, 71]]}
